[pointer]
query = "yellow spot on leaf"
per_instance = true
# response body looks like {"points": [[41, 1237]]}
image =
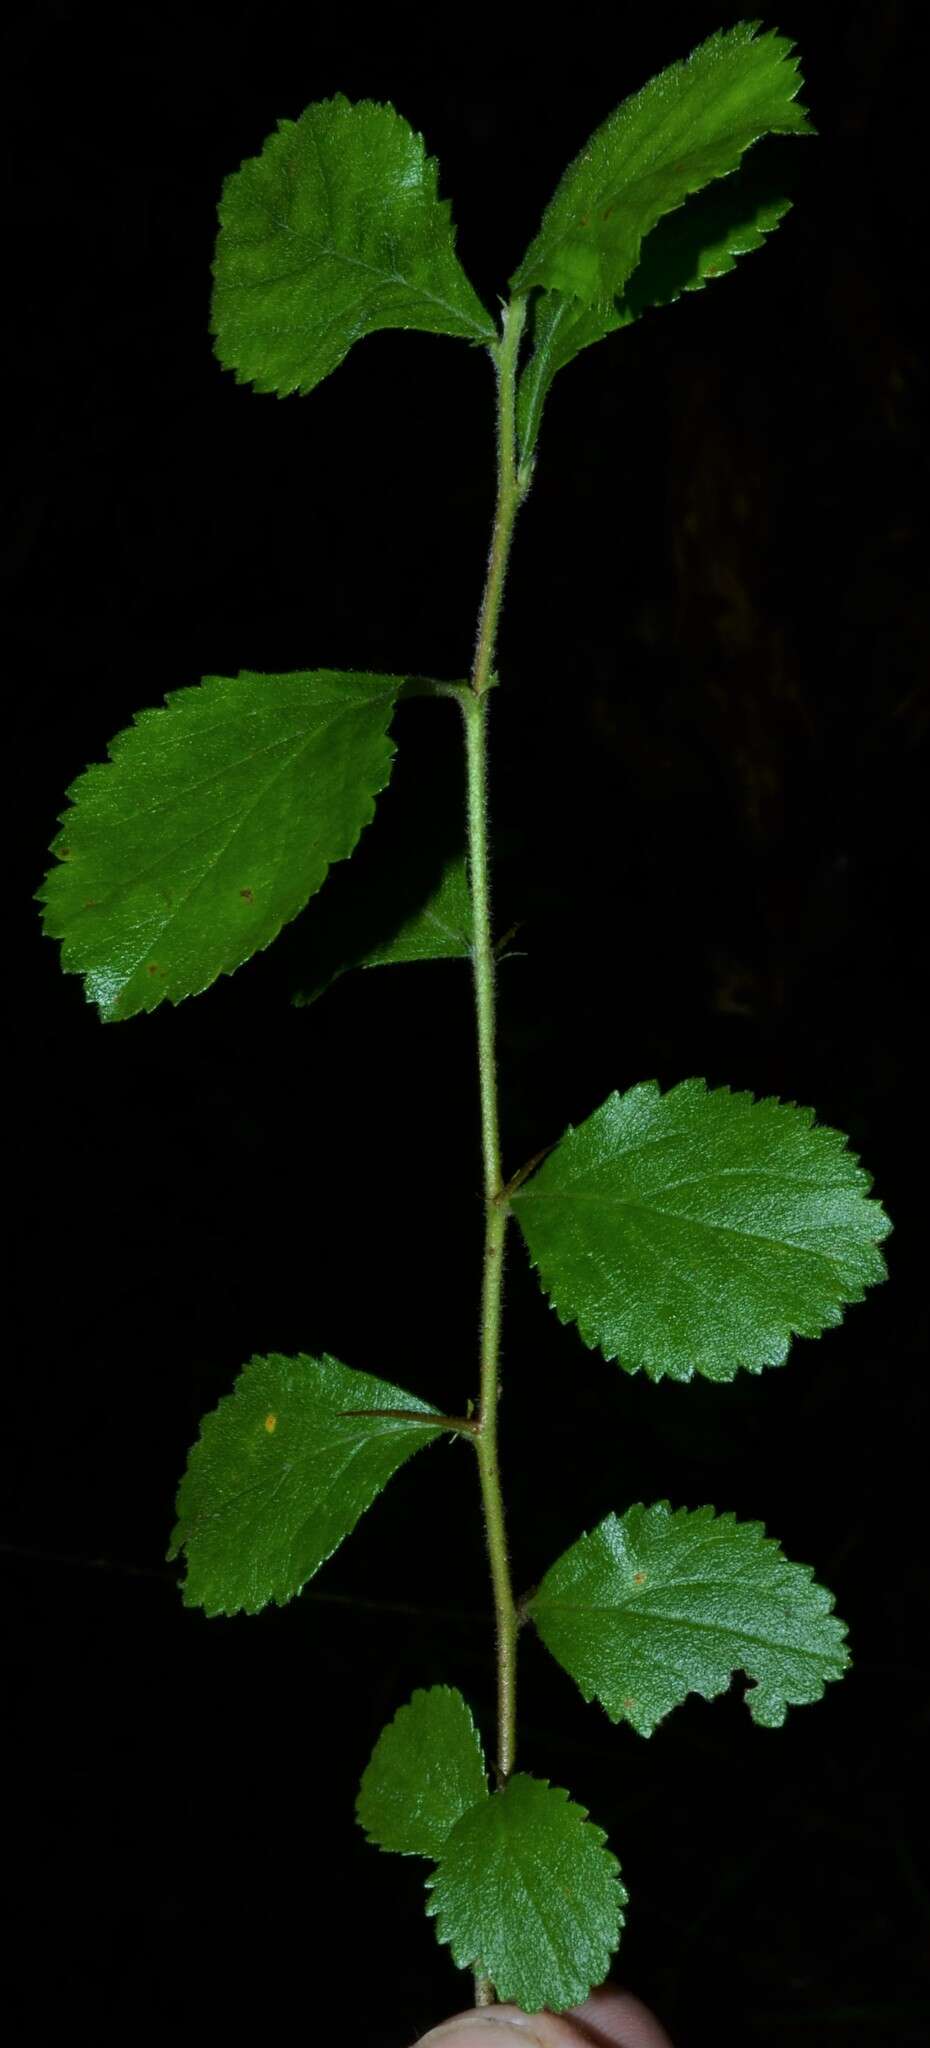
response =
{"points": [[271, 1424]]}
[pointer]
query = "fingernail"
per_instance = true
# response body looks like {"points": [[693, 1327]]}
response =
{"points": [[472, 2032]]}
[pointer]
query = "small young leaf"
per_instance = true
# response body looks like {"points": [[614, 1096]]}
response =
{"points": [[700, 241], [688, 126], [527, 1894], [650, 1607], [404, 895], [438, 928], [426, 1770], [213, 822], [700, 1230], [333, 232], [281, 1473]]}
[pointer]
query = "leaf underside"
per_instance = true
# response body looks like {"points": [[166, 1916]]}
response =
{"points": [[280, 1475], [426, 1771], [653, 1605], [698, 1231], [334, 231], [213, 822], [526, 1893]]}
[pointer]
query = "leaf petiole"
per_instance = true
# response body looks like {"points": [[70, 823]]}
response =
{"points": [[462, 1425]]}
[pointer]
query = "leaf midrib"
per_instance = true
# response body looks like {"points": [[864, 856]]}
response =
{"points": [[319, 252], [190, 789], [731, 1631], [700, 1223]]}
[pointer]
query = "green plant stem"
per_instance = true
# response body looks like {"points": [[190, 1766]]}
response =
{"points": [[512, 487], [510, 491]]}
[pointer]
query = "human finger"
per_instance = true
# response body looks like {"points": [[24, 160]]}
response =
{"points": [[609, 2019]]}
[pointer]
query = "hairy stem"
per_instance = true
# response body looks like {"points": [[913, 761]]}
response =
{"points": [[511, 489]]}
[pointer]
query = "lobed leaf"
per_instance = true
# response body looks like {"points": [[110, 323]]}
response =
{"points": [[699, 1231], [214, 821], [426, 1771], [700, 241], [688, 126], [280, 1475], [334, 231], [654, 1605], [527, 1894]]}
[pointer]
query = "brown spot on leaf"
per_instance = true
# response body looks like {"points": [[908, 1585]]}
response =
{"points": [[91, 903], [153, 967], [629, 1703], [247, 893], [271, 1424], [639, 1578]]}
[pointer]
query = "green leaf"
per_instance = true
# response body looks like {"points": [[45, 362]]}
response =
{"points": [[688, 126], [704, 237], [650, 1607], [699, 1230], [426, 1770], [526, 1893], [281, 1473], [438, 928], [213, 822], [700, 241], [562, 327], [404, 896], [334, 231]]}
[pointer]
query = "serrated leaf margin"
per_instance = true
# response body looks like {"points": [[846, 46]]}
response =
{"points": [[833, 1318], [756, 1540]]}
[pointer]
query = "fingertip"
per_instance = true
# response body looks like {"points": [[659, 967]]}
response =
{"points": [[615, 2019], [608, 2019]]}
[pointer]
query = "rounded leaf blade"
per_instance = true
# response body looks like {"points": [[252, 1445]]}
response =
{"points": [[653, 1605], [333, 231], [527, 1893], [281, 1473], [698, 1231], [213, 822], [426, 1770]]}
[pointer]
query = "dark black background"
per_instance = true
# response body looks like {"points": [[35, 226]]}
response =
{"points": [[708, 811]]}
